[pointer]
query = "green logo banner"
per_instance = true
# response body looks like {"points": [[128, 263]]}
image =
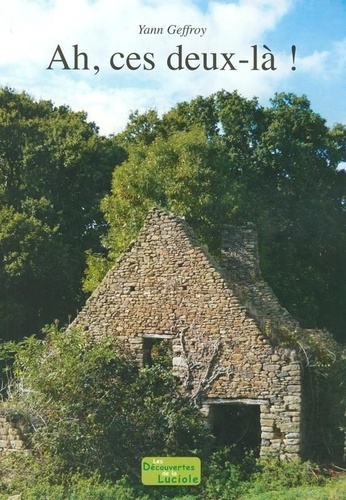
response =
{"points": [[171, 471]]}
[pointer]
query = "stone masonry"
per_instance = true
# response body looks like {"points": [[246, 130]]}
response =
{"points": [[11, 439], [166, 286]]}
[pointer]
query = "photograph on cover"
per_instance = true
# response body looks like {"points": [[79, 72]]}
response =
{"points": [[172, 249]]}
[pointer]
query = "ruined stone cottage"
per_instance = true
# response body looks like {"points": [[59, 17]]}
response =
{"points": [[166, 288]]}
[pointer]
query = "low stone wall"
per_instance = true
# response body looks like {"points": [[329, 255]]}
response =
{"points": [[11, 439]]}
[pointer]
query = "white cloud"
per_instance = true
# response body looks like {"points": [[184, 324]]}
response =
{"points": [[327, 65]]}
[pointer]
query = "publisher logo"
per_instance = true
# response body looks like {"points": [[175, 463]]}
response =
{"points": [[171, 471]]}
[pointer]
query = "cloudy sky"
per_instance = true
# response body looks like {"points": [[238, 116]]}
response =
{"points": [[111, 57]]}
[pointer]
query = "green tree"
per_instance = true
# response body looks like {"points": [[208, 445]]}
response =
{"points": [[299, 196], [54, 170], [31, 253], [183, 173]]}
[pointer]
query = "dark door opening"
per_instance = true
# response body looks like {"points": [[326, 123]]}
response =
{"points": [[236, 425]]}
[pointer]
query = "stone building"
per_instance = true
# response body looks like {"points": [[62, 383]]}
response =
{"points": [[219, 319]]}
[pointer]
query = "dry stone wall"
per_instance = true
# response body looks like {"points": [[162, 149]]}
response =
{"points": [[167, 286], [10, 437]]}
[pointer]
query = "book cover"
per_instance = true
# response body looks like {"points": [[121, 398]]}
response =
{"points": [[172, 176]]}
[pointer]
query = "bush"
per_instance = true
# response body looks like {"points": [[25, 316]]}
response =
{"points": [[273, 474], [227, 474], [87, 407], [230, 477], [83, 489]]}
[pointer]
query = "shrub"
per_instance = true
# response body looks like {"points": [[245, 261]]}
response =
{"points": [[274, 474], [87, 407], [227, 474]]}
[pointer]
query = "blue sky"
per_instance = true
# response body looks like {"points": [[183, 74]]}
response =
{"points": [[31, 30]]}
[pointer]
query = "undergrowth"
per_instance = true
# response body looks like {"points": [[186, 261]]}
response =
{"points": [[224, 478]]}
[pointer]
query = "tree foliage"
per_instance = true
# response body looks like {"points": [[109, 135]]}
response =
{"points": [[183, 173], [54, 169]]}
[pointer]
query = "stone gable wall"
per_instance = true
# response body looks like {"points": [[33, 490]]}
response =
{"points": [[167, 285]]}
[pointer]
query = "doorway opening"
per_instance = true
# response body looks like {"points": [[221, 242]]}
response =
{"points": [[237, 425]]}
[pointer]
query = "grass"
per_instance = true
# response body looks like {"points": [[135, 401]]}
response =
{"points": [[334, 489]]}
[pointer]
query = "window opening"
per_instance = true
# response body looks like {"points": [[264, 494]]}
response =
{"points": [[157, 350]]}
